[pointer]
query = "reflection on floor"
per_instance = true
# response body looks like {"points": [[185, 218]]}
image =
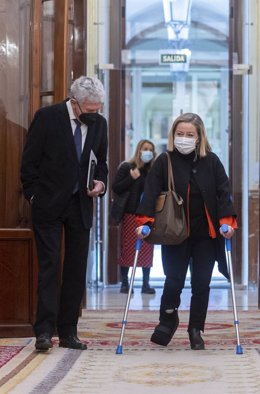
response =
{"points": [[109, 297]]}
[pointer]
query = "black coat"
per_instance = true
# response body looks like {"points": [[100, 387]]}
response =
{"points": [[50, 167], [212, 181], [125, 182]]}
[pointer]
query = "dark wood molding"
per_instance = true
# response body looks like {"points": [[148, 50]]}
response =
{"points": [[79, 40], [116, 124], [61, 50], [235, 133], [35, 56]]}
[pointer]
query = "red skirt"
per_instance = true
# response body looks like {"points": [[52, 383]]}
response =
{"points": [[128, 245]]}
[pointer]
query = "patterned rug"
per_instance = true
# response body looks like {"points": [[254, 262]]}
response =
{"points": [[143, 367]]}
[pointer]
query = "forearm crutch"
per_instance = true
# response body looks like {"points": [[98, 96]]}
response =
{"points": [[145, 231], [224, 228]]}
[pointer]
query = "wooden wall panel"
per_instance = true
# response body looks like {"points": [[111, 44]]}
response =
{"points": [[21, 80], [17, 273], [116, 124], [17, 289]]}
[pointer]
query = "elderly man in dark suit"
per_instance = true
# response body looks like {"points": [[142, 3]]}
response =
{"points": [[54, 172]]}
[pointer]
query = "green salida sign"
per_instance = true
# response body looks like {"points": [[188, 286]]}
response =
{"points": [[171, 58]]}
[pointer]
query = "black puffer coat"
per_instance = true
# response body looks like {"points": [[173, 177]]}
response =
{"points": [[124, 182]]}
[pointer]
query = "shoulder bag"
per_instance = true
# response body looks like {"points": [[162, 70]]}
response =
{"points": [[170, 225]]}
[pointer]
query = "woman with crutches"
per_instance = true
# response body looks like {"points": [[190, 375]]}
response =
{"points": [[200, 179]]}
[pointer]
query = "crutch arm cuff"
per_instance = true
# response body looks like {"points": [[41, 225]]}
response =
{"points": [[142, 219], [229, 220]]}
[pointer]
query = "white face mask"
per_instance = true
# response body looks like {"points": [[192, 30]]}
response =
{"points": [[185, 145], [146, 156]]}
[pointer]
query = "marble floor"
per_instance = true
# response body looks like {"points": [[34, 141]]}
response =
{"points": [[109, 297]]}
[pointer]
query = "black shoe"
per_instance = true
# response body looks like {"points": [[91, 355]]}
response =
{"points": [[148, 290], [72, 342], [196, 342], [125, 289], [164, 331], [43, 342]]}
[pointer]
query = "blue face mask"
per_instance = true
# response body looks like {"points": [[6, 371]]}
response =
{"points": [[146, 156]]}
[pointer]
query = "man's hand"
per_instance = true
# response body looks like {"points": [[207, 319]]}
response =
{"points": [[98, 189]]}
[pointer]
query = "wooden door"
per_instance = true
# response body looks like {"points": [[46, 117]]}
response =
{"points": [[44, 34]]}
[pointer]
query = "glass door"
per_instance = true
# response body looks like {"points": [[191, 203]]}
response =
{"points": [[176, 60]]}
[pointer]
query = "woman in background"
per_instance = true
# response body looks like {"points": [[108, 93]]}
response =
{"points": [[131, 177]]}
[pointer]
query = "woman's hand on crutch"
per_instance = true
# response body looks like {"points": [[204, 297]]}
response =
{"points": [[227, 232], [142, 231]]}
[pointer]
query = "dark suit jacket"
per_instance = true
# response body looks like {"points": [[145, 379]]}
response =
{"points": [[50, 167]]}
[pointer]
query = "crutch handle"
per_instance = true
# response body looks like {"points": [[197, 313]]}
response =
{"points": [[224, 228], [145, 231]]}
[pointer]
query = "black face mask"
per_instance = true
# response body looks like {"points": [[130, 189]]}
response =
{"points": [[89, 118]]}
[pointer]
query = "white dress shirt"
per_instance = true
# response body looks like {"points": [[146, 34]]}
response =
{"points": [[84, 128]]}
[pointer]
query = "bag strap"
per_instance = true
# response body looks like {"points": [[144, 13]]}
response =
{"points": [[171, 185]]}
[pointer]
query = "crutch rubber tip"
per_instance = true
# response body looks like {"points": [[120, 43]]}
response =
{"points": [[119, 349], [239, 349]]}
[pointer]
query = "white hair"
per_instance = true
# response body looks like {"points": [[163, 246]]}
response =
{"points": [[87, 88]]}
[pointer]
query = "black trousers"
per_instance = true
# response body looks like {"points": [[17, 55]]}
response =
{"points": [[176, 259], [59, 300]]}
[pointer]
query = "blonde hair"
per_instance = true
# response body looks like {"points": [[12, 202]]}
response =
{"points": [[136, 159], [202, 146]]}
